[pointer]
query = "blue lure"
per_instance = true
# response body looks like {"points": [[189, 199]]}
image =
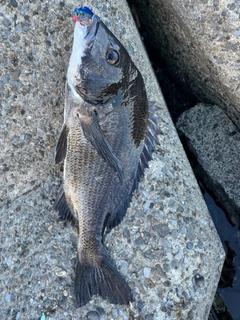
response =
{"points": [[83, 13]]}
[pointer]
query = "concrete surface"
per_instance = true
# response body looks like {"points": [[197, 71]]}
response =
{"points": [[199, 42], [166, 247], [215, 141]]}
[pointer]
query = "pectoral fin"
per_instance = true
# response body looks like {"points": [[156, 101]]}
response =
{"points": [[61, 148], [94, 134]]}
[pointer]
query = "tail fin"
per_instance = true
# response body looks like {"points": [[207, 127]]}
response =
{"points": [[102, 279]]}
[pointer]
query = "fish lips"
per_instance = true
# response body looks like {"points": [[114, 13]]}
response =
{"points": [[92, 31]]}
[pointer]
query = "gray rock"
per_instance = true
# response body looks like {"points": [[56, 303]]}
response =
{"points": [[13, 3], [100, 311], [149, 317], [15, 74], [189, 245], [199, 43], [215, 141], [191, 233], [93, 315], [15, 39], [162, 229], [9, 298], [25, 27], [6, 23]]}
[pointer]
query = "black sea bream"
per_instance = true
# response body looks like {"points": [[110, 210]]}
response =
{"points": [[106, 141]]}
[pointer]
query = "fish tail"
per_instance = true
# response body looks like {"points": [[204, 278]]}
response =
{"points": [[100, 278]]}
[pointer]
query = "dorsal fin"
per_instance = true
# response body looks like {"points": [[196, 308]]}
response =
{"points": [[149, 145]]}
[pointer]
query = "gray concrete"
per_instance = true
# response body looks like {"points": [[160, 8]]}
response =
{"points": [[215, 141], [199, 41], [166, 247]]}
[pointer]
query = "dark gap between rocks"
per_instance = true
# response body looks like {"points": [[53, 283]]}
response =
{"points": [[178, 99]]}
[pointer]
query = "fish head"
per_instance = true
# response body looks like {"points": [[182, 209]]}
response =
{"points": [[105, 67]]}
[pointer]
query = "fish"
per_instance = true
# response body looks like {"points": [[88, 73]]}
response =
{"points": [[106, 141]]}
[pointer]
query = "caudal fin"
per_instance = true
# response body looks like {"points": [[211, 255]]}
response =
{"points": [[102, 279]]}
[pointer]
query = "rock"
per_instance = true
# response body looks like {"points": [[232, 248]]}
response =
{"points": [[215, 141], [13, 3], [15, 74], [93, 315], [199, 44], [6, 23]]}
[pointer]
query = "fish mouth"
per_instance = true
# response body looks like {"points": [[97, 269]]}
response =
{"points": [[92, 31]]}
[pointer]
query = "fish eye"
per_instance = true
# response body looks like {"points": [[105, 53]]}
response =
{"points": [[112, 57]]}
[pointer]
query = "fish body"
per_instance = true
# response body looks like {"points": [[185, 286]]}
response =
{"points": [[106, 141]]}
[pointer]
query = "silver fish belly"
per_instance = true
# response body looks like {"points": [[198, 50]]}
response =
{"points": [[106, 141]]}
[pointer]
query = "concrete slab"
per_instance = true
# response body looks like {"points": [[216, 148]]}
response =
{"points": [[166, 247], [199, 44], [215, 141]]}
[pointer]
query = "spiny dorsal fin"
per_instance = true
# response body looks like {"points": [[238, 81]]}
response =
{"points": [[150, 142]]}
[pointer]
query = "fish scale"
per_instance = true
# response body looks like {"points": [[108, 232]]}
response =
{"points": [[107, 139]]}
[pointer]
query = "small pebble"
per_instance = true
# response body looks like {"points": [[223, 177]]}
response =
{"points": [[200, 244], [175, 264], [199, 280], [231, 6], [60, 273], [162, 229], [126, 233], [141, 305], [100, 311], [149, 317], [15, 74], [123, 267], [93, 315], [25, 27], [146, 272], [9, 297], [48, 43], [189, 245], [191, 234], [18, 315], [15, 39], [139, 241], [6, 23], [13, 3], [171, 203], [149, 283], [179, 255]]}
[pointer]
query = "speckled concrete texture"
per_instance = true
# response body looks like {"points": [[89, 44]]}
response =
{"points": [[215, 141], [199, 41], [166, 247]]}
